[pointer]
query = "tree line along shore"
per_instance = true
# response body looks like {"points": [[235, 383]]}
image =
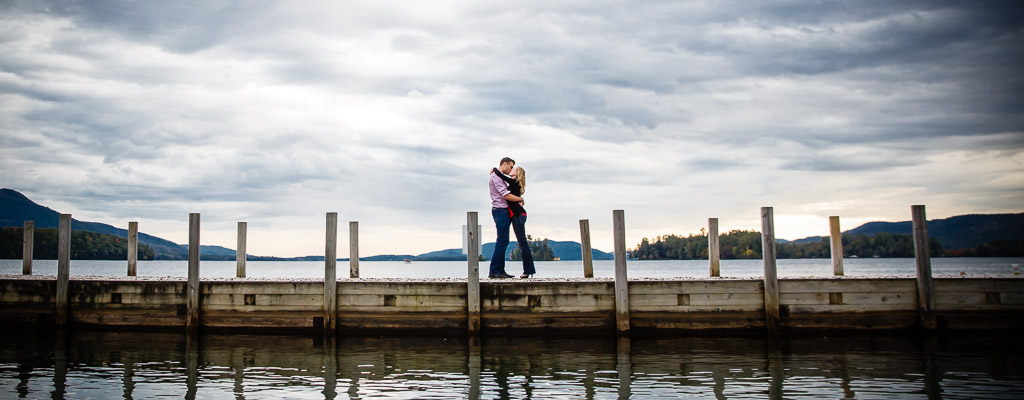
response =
{"points": [[741, 244], [735, 244]]}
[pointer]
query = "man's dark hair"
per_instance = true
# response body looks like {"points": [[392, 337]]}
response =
{"points": [[506, 159]]}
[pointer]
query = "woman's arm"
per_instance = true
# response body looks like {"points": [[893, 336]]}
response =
{"points": [[506, 178]]}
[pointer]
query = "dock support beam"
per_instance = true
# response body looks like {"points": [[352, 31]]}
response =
{"points": [[588, 256], [63, 268], [331, 274], [473, 272], [243, 231], [621, 282], [714, 254], [133, 248], [836, 238], [27, 247], [353, 249], [771, 279], [922, 257], [192, 305]]}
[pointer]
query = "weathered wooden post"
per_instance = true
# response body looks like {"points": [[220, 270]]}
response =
{"points": [[714, 255], [240, 253], [836, 238], [771, 280], [473, 272], [588, 256], [922, 256], [63, 268], [192, 305], [353, 249], [27, 247], [331, 274], [621, 282], [133, 248]]}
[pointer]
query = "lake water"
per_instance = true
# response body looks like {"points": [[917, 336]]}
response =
{"points": [[107, 365], [37, 363], [868, 267]]}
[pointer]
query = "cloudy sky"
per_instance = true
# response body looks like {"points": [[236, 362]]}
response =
{"points": [[391, 113]]}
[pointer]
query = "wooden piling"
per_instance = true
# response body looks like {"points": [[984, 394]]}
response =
{"points": [[63, 268], [922, 257], [621, 282], [588, 256], [192, 305], [714, 254], [836, 238], [771, 280], [331, 274], [133, 248], [240, 252], [353, 249], [27, 247], [473, 272]]}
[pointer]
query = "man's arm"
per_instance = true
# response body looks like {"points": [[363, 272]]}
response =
{"points": [[513, 198], [498, 188]]}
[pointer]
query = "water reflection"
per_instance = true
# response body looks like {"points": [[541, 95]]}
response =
{"points": [[60, 364], [81, 364]]}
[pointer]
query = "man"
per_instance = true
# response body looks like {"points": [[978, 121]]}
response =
{"points": [[500, 197]]}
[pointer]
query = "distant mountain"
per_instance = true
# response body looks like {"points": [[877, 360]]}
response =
{"points": [[448, 254], [15, 209], [811, 239], [388, 257], [574, 251], [562, 250], [213, 250], [959, 232]]}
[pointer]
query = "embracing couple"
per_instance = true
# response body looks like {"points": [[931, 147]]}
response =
{"points": [[507, 209]]}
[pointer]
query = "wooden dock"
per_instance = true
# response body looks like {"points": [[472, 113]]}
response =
{"points": [[584, 304], [471, 305]]}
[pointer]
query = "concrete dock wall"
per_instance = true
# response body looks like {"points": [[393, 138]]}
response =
{"points": [[584, 304]]}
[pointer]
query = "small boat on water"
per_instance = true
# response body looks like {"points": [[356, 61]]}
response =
{"points": [[407, 261]]}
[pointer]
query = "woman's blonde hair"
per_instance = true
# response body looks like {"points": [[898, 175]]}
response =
{"points": [[521, 178]]}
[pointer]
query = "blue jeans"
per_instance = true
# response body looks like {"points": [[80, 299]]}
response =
{"points": [[502, 222], [519, 227]]}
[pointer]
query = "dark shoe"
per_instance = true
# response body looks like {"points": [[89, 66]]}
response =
{"points": [[499, 276], [525, 276]]}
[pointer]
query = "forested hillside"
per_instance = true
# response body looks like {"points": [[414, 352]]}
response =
{"points": [[84, 245]]}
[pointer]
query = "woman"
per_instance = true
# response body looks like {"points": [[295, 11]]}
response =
{"points": [[516, 186]]}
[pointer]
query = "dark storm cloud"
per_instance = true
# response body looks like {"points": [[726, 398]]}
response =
{"points": [[556, 68], [179, 26]]}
